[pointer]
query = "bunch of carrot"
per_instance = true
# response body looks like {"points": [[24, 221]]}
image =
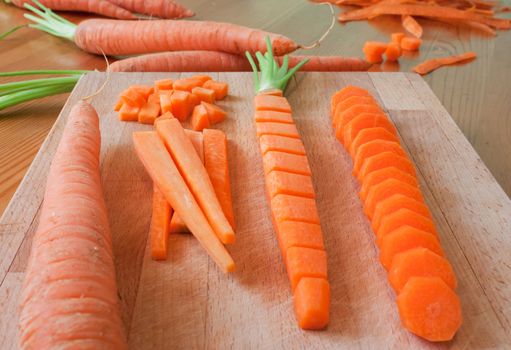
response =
{"points": [[194, 96], [374, 50], [409, 243]]}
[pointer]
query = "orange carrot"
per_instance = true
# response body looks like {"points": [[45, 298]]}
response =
{"points": [[298, 234], [271, 103], [103, 8], [160, 222], [118, 105], [274, 117], [395, 203], [279, 182], [206, 95], [404, 217], [378, 176], [393, 52], [411, 44], [195, 175], [368, 135], [312, 303], [200, 119], [155, 8], [291, 163], [365, 121], [372, 148], [429, 308], [397, 37], [411, 25], [215, 113], [273, 92], [277, 143], [221, 89], [328, 63], [305, 262], [384, 160], [430, 65], [290, 208], [69, 296], [374, 51], [280, 129], [163, 171]]}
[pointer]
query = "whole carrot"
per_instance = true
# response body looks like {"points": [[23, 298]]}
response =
{"points": [[158, 8], [69, 296], [101, 7]]}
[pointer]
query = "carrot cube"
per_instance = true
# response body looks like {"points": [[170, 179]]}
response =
{"points": [[273, 117], [165, 102], [411, 44], [221, 89], [128, 113], [144, 90], [298, 234], [290, 208], [203, 78], [204, 94], [305, 262], [154, 99], [181, 105], [312, 303], [133, 98], [186, 84], [215, 113], [280, 182], [272, 103], [291, 163], [281, 144], [397, 37], [280, 129], [200, 119], [148, 113], [393, 52], [163, 84]]}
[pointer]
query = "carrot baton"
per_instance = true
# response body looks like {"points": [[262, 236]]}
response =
{"points": [[158, 8], [430, 65], [411, 25], [101, 7]]}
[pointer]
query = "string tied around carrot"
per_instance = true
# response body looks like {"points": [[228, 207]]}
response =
{"points": [[325, 34]]}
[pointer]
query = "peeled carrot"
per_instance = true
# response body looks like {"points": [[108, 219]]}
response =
{"points": [[312, 303], [429, 308], [271, 103], [298, 234], [200, 119], [395, 203], [160, 225], [279, 129], [372, 148], [155, 8], [283, 144], [368, 135], [221, 89], [196, 176], [279, 182], [274, 117], [430, 65], [103, 8], [411, 25], [411, 44], [365, 121], [404, 217], [378, 176], [69, 296], [215, 113], [384, 160], [163, 171], [291, 163], [393, 52], [305, 262]]}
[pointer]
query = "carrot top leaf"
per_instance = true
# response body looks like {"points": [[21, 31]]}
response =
{"points": [[270, 75], [48, 21]]}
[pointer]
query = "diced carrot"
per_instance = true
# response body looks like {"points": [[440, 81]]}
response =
{"points": [[269, 143], [384, 160], [217, 166], [404, 217], [163, 84], [411, 44], [204, 94], [346, 93], [419, 262], [397, 37], [164, 116], [196, 176], [143, 90], [181, 105], [186, 84], [200, 119], [166, 102], [386, 189], [160, 221], [393, 52], [273, 92], [305, 262], [298, 234], [291, 163], [118, 105], [154, 98], [380, 175], [393, 204], [375, 147], [203, 78], [271, 103], [373, 58], [279, 182], [374, 50], [366, 121], [177, 225], [342, 119], [133, 98], [367, 135], [429, 308], [215, 113], [274, 117], [280, 129], [221, 89], [291, 208], [312, 303], [352, 101], [128, 113], [406, 238], [148, 113]]}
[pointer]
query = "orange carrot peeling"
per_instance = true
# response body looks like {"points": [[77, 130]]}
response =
{"points": [[430, 65]]}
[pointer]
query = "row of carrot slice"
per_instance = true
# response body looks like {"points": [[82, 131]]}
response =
{"points": [[295, 217], [406, 235]]}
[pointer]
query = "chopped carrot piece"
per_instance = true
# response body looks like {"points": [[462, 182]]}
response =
{"points": [[221, 89], [312, 303], [279, 182], [154, 98], [203, 78], [269, 143], [118, 105], [177, 225], [393, 52], [163, 84], [186, 84], [374, 50], [384, 160], [352, 101], [215, 113], [395, 203], [200, 119], [298, 234], [397, 37], [305, 262], [291, 208], [367, 135], [128, 113], [143, 90], [380, 175], [274, 117], [375, 147], [343, 118], [404, 217], [429, 308], [133, 98], [271, 103], [164, 116], [280, 129], [435, 63], [273, 92], [148, 113], [366, 121], [291, 163], [160, 221], [373, 58], [166, 102], [181, 104], [411, 25], [345, 93], [411, 44], [405, 238], [204, 94], [419, 262]]}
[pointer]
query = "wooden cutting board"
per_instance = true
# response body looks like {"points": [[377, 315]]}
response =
{"points": [[186, 302]]}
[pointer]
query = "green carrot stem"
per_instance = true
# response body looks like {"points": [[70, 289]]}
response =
{"points": [[45, 72], [48, 21], [32, 94], [12, 30], [39, 83]]}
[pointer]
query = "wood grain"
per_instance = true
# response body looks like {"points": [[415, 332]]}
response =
{"points": [[185, 302]]}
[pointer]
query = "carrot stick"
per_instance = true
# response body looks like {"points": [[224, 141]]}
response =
{"points": [[160, 229], [104, 8], [163, 171], [411, 26], [70, 288], [155, 8], [432, 64], [312, 302], [196, 177]]}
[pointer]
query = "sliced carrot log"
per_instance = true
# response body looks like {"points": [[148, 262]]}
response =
{"points": [[128, 113], [273, 92], [221, 89], [386, 189], [187, 84], [385, 160], [202, 77], [406, 238], [163, 84], [419, 262], [393, 204], [305, 262], [404, 217], [279, 182], [133, 98], [291, 208], [215, 113], [281, 144], [274, 117], [148, 113], [280, 129], [164, 116], [181, 104], [367, 135], [378, 176], [271, 103], [312, 303], [177, 225], [346, 93], [203, 94], [372, 148], [160, 221], [291, 163], [298, 234], [365, 121], [200, 118], [429, 308]]}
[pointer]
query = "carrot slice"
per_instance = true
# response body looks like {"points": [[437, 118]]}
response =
{"points": [[393, 52], [429, 308], [195, 175], [342, 119], [181, 104], [281, 144], [375, 147], [217, 166], [221, 89], [404, 217], [395, 203], [380, 175], [353, 100], [202, 77], [411, 44], [368, 135], [280, 129], [162, 169], [273, 92], [133, 98], [366, 121], [280, 182], [163, 84], [274, 117], [435, 63], [291, 208], [386, 189], [397, 37], [411, 25], [419, 262], [298, 234], [128, 113], [148, 113], [203, 94], [271, 103], [384, 160], [406, 238], [312, 303], [215, 113], [305, 262], [291, 163], [187, 84], [345, 93], [200, 118], [160, 222]]}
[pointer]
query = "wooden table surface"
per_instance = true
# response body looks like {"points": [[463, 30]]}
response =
{"points": [[477, 95]]}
